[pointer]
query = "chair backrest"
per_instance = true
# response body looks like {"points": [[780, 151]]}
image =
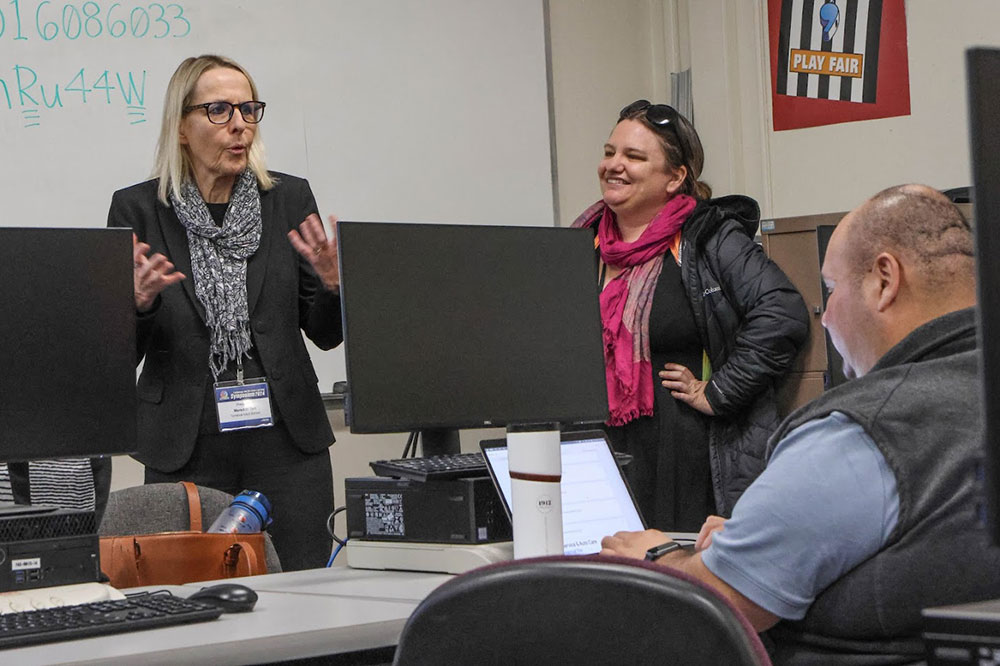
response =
{"points": [[163, 507], [578, 610]]}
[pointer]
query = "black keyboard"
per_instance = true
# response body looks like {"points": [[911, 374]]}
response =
{"points": [[444, 467], [102, 617], [433, 468]]}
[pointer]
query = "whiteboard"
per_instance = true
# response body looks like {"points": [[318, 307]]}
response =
{"points": [[395, 110]]}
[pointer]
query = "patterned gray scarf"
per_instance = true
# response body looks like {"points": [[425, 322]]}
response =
{"points": [[219, 264]]}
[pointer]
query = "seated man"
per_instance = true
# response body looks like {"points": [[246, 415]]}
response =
{"points": [[865, 513]]}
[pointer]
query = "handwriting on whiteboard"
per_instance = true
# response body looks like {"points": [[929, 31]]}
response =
{"points": [[35, 94], [31, 96], [90, 20]]}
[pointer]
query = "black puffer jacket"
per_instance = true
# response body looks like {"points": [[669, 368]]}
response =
{"points": [[752, 323]]}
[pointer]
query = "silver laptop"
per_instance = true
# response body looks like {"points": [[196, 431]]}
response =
{"points": [[596, 500]]}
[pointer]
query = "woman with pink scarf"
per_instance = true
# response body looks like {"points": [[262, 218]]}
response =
{"points": [[698, 323]]}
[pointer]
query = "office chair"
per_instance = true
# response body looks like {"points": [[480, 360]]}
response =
{"points": [[163, 507], [578, 610]]}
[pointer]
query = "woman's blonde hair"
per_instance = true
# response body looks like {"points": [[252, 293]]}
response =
{"points": [[172, 164]]}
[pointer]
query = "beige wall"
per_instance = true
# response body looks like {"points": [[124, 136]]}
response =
{"points": [[607, 54], [834, 168], [600, 61], [604, 55], [728, 84]]}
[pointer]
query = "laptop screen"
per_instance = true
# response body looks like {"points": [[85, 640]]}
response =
{"points": [[596, 500]]}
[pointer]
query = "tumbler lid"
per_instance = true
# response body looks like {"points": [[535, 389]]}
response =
{"points": [[258, 502]]}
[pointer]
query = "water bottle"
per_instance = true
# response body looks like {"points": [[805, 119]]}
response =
{"points": [[249, 511]]}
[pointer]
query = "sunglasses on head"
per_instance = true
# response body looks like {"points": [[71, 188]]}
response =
{"points": [[660, 115]]}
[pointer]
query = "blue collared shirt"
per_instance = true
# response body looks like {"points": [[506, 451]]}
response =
{"points": [[826, 502]]}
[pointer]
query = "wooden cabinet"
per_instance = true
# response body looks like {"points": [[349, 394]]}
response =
{"points": [[793, 244]]}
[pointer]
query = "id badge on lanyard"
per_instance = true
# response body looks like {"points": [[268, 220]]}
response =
{"points": [[242, 404]]}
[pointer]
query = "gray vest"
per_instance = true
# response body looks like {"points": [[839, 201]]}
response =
{"points": [[920, 405]]}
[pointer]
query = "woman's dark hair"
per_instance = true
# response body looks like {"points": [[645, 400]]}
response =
{"points": [[679, 141]]}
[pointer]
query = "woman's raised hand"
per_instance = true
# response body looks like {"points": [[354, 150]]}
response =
{"points": [[151, 275], [312, 243]]}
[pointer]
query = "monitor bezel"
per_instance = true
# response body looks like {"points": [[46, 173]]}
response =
{"points": [[51, 266], [363, 425]]}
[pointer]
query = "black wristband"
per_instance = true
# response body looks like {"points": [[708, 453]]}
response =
{"points": [[657, 552]]}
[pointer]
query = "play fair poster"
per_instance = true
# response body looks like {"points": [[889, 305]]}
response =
{"points": [[836, 61]]}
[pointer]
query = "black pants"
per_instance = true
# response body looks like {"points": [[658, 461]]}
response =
{"points": [[298, 485]]}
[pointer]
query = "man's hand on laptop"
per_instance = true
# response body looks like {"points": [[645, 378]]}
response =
{"points": [[632, 544], [637, 544], [712, 525]]}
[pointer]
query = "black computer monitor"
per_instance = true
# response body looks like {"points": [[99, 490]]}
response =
{"points": [[67, 343], [466, 326], [983, 69]]}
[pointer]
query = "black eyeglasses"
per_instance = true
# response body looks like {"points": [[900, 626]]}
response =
{"points": [[220, 113], [660, 115]]}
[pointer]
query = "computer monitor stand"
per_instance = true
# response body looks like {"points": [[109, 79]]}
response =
{"points": [[439, 441], [535, 461]]}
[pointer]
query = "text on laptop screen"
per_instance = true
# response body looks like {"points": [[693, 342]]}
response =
{"points": [[596, 502]]}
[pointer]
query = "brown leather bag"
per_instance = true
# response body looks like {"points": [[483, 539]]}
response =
{"points": [[174, 558]]}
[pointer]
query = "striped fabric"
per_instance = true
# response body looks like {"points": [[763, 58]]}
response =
{"points": [[65, 483], [828, 49]]}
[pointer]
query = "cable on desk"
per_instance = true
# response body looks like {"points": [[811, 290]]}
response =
{"points": [[329, 528], [148, 593], [329, 525], [336, 551]]}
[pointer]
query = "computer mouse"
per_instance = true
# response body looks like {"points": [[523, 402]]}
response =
{"points": [[230, 597]]}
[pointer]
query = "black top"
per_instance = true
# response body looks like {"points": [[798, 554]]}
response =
{"points": [[670, 474], [218, 212]]}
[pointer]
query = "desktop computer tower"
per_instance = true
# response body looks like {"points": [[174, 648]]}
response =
{"points": [[43, 547], [458, 511]]}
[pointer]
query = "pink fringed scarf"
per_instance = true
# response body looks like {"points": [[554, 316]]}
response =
{"points": [[626, 301]]}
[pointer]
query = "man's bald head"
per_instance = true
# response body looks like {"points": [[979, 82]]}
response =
{"points": [[901, 259], [921, 226]]}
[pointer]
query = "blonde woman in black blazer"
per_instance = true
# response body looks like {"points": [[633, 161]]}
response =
{"points": [[232, 264]]}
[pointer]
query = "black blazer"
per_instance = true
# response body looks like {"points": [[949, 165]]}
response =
{"points": [[284, 295]]}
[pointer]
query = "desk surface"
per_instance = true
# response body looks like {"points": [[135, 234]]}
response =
{"points": [[406, 586], [299, 614]]}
